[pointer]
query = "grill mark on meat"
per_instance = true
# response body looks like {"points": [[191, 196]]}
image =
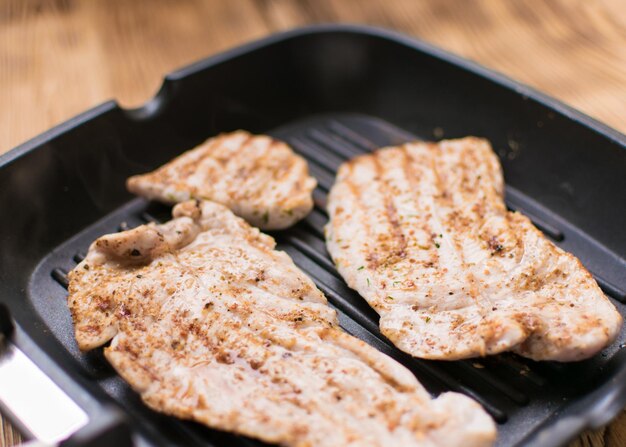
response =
{"points": [[202, 342], [444, 201], [283, 170], [441, 199], [189, 168], [372, 256], [491, 283], [413, 182], [393, 243], [391, 213], [257, 177], [238, 158], [485, 327]]}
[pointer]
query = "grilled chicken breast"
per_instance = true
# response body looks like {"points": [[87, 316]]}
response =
{"points": [[208, 322], [421, 231], [257, 177]]}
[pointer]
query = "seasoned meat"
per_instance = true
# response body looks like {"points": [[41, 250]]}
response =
{"points": [[210, 323], [421, 231], [257, 177]]}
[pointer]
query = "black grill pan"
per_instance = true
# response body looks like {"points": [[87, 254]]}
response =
{"points": [[332, 92]]}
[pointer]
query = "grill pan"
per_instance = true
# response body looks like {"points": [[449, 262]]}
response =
{"points": [[332, 92]]}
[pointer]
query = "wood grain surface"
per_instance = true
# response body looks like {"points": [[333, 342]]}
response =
{"points": [[58, 58]]}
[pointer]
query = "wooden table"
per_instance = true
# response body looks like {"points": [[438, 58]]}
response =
{"points": [[60, 57]]}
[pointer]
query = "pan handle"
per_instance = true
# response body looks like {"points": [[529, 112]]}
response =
{"points": [[29, 397], [43, 411]]}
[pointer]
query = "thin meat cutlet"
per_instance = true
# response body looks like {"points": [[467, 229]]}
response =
{"points": [[257, 177], [209, 322], [421, 231]]}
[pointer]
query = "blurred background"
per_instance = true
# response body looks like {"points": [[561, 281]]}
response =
{"points": [[61, 57]]}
